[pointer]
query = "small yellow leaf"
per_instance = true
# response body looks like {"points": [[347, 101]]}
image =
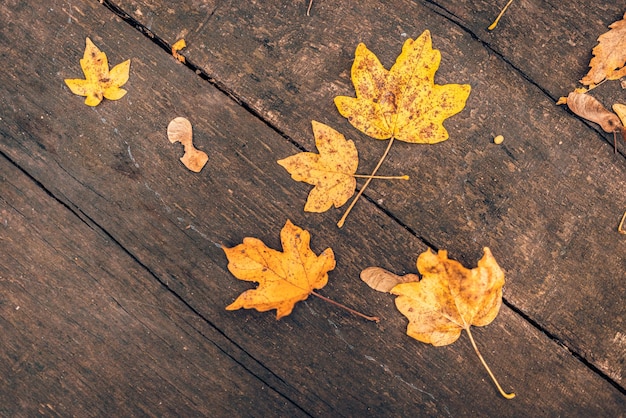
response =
{"points": [[284, 278], [331, 171], [99, 83], [177, 46]]}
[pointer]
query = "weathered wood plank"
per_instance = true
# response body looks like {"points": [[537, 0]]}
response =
{"points": [[87, 331], [549, 199], [115, 167], [549, 41]]}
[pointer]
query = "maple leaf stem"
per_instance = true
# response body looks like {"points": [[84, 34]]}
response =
{"points": [[495, 22], [352, 311], [620, 227], [367, 176], [345, 215], [482, 360]]}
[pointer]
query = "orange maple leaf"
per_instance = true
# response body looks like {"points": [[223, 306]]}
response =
{"points": [[284, 278], [448, 299], [609, 56]]}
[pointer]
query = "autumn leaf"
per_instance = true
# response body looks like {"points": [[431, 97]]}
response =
{"points": [[609, 56], [331, 171], [403, 103], [99, 82], [590, 108], [448, 299], [284, 278]]}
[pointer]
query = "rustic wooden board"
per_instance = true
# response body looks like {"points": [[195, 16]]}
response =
{"points": [[548, 41], [88, 331], [550, 197], [114, 167]]}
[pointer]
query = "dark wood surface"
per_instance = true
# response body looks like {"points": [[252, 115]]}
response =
{"points": [[113, 283]]}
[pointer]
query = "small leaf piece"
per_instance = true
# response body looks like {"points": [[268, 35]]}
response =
{"points": [[284, 278], [177, 46], [588, 107], [382, 280], [331, 171], [609, 56], [180, 130], [403, 103], [99, 82], [450, 298]]}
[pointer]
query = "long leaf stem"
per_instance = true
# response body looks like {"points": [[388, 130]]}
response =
{"points": [[482, 360], [342, 306], [495, 22], [369, 176], [620, 227], [345, 215]]}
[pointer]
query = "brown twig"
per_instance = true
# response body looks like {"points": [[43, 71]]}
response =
{"points": [[308, 10], [352, 311]]}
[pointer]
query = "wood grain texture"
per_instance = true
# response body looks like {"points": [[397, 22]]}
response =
{"points": [[115, 169], [86, 330], [547, 201]]}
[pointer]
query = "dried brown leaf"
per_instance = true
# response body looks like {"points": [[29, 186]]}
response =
{"points": [[591, 109], [609, 56]]}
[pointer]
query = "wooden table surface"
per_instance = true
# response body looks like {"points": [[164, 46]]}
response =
{"points": [[113, 283]]}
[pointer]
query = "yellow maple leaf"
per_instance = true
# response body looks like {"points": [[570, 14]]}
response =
{"points": [[448, 299], [99, 82], [609, 56], [284, 278], [403, 103], [331, 171]]}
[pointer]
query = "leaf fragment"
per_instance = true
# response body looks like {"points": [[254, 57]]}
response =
{"points": [[180, 130], [177, 46], [99, 82], [331, 171], [609, 56], [382, 280], [284, 278]]}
